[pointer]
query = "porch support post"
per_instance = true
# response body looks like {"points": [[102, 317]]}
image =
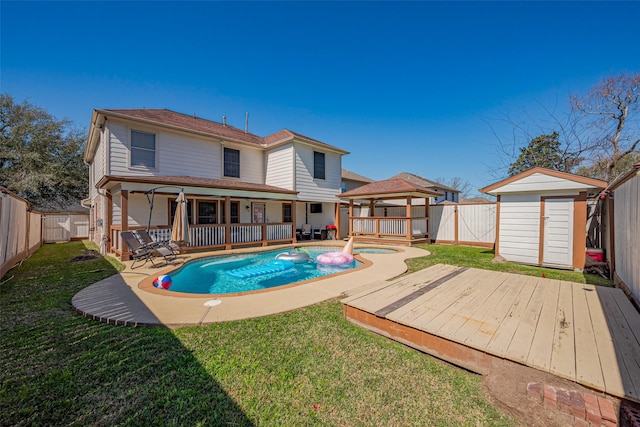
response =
{"points": [[227, 222], [294, 206], [124, 220], [579, 230], [426, 213], [350, 218], [108, 221], [372, 207], [336, 223], [408, 215]]}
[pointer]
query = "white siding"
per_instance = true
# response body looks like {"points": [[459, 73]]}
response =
{"points": [[179, 155], [442, 222], [321, 190], [320, 220], [280, 167], [251, 165], [477, 223], [97, 169], [627, 229], [539, 182], [520, 228], [119, 149]]}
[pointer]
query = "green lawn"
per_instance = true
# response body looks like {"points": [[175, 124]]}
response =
{"points": [[306, 367], [464, 256]]}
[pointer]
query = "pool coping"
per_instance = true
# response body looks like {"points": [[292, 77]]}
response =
{"points": [[120, 300]]}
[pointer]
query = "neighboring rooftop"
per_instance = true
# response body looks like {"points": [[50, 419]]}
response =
{"points": [[352, 176]]}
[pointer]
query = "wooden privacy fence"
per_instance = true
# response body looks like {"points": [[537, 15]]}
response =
{"points": [[623, 243], [20, 230], [63, 227], [463, 224]]}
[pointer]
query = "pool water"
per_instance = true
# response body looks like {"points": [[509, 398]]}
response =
{"points": [[209, 275], [375, 250]]}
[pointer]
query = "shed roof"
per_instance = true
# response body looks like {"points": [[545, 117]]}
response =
{"points": [[536, 180], [388, 189]]}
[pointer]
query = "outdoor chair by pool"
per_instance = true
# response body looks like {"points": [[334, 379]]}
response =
{"points": [[306, 232], [147, 240], [141, 252]]}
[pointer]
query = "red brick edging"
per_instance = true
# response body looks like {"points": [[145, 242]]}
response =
{"points": [[586, 409]]}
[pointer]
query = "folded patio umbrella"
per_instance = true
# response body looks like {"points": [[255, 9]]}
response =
{"points": [[180, 229]]}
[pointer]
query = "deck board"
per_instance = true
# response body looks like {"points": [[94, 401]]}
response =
{"points": [[496, 313], [502, 338], [627, 351], [563, 351], [424, 309], [542, 344], [588, 369], [400, 288], [613, 380], [584, 333]]}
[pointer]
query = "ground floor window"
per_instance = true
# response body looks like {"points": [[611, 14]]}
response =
{"points": [[286, 213], [173, 208], [235, 213], [207, 212]]}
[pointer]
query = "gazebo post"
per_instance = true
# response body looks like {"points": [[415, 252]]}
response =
{"points": [[409, 225], [350, 217]]}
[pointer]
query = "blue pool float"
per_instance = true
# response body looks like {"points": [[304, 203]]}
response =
{"points": [[275, 266]]}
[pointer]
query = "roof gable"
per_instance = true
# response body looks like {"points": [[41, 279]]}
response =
{"points": [[423, 182], [168, 118], [541, 179], [389, 188], [195, 125]]}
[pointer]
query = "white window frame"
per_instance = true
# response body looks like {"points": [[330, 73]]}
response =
{"points": [[155, 150]]}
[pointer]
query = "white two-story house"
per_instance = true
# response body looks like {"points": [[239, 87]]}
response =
{"points": [[242, 189]]}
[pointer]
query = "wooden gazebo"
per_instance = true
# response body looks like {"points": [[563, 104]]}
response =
{"points": [[390, 221]]}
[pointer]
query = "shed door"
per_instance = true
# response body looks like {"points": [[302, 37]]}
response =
{"points": [[558, 232]]}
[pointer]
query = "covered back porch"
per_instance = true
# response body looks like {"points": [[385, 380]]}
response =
{"points": [[221, 214], [393, 211]]}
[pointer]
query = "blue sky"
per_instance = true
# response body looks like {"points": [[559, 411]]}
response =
{"points": [[417, 87]]}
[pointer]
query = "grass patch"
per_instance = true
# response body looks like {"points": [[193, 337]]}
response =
{"points": [[306, 367], [465, 256]]}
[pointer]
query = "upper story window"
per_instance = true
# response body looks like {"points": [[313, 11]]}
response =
{"points": [[231, 162], [143, 149], [343, 187], [318, 165]]}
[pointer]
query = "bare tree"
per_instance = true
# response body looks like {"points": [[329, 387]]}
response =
{"points": [[458, 183], [599, 135], [611, 122]]}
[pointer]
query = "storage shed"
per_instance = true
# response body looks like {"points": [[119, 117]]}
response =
{"points": [[542, 217]]}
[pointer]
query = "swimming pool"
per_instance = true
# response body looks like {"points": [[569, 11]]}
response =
{"points": [[210, 275], [375, 250]]}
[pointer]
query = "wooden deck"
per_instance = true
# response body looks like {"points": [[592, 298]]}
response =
{"points": [[471, 317]]}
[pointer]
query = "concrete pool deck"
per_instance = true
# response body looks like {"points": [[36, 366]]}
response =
{"points": [[119, 300]]}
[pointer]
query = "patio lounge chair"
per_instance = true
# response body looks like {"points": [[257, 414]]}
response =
{"points": [[306, 232], [144, 252], [147, 240]]}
